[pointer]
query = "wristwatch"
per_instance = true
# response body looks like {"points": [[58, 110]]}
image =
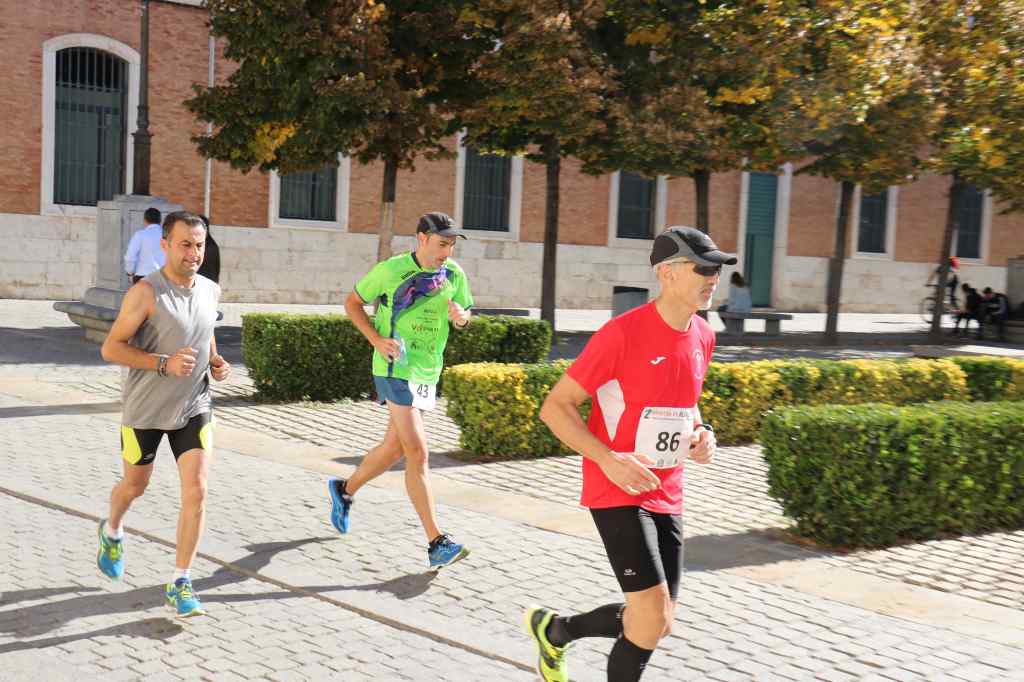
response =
{"points": [[161, 365], [707, 427]]}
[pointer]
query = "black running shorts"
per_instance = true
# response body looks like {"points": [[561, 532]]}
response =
{"points": [[644, 548], [138, 446]]}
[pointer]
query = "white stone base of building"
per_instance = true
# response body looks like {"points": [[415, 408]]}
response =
{"points": [[54, 257]]}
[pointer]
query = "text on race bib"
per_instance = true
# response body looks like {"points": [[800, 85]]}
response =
{"points": [[424, 396], [663, 434]]}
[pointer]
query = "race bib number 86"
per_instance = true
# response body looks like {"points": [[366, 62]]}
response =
{"points": [[663, 434]]}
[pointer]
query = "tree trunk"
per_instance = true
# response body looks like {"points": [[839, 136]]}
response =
{"points": [[836, 263], [387, 209], [702, 184], [553, 164], [956, 193]]}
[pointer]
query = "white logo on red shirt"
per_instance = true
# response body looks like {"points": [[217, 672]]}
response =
{"points": [[657, 359], [698, 364]]}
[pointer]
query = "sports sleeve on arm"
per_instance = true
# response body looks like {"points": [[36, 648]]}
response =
{"points": [[371, 286], [600, 360]]}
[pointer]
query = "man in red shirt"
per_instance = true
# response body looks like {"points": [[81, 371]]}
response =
{"points": [[644, 371]]}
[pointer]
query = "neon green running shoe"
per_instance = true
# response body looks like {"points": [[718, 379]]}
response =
{"points": [[182, 599], [550, 658], [110, 558]]}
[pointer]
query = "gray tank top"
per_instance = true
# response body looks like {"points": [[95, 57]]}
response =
{"points": [[181, 318]]}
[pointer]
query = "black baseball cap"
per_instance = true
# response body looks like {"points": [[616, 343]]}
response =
{"points": [[691, 244], [439, 223]]}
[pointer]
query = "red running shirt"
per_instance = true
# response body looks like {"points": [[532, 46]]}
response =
{"points": [[634, 364]]}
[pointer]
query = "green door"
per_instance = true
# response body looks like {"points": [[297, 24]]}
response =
{"points": [[760, 241]]}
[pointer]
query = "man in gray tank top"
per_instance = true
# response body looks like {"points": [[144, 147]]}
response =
{"points": [[164, 335]]}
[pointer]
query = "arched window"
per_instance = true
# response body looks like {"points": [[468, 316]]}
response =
{"points": [[90, 101], [90, 126]]}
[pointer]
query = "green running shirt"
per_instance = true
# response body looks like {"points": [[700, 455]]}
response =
{"points": [[414, 309]]}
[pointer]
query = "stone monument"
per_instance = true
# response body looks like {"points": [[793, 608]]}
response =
{"points": [[116, 221]]}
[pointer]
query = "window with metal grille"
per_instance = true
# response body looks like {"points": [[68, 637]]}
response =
{"points": [[310, 195], [636, 206], [90, 134], [968, 223], [485, 198], [871, 230]]}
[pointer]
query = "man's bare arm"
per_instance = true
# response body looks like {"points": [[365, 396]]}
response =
{"points": [[136, 308]]}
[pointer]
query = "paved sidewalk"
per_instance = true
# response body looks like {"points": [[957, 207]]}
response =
{"points": [[290, 599]]}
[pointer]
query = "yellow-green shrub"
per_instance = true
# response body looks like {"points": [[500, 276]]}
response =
{"points": [[497, 406], [991, 378], [737, 394]]}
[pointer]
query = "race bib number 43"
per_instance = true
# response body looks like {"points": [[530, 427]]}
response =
{"points": [[424, 396], [664, 434]]}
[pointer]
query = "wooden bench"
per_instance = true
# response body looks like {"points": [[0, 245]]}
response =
{"points": [[772, 321]]}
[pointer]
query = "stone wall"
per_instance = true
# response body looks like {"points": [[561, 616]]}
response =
{"points": [[52, 257], [47, 257]]}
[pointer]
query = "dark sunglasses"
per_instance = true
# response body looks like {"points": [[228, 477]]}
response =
{"points": [[706, 270]]}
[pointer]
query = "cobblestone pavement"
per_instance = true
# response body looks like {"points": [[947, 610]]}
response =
{"points": [[728, 498], [290, 599], [283, 588]]}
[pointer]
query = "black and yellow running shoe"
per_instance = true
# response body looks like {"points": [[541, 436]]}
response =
{"points": [[550, 658]]}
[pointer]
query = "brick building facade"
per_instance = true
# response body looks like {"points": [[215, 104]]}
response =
{"points": [[307, 239]]}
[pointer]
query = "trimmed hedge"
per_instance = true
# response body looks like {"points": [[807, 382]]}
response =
{"points": [[324, 357], [991, 378], [736, 396], [497, 406], [876, 475], [318, 357]]}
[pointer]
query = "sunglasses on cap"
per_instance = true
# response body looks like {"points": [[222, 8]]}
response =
{"points": [[707, 270], [702, 270]]}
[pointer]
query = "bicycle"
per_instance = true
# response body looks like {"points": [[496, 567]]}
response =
{"points": [[926, 308]]}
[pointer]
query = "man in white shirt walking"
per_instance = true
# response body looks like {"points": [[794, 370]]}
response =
{"points": [[144, 254]]}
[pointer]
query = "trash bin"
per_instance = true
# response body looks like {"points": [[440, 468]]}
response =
{"points": [[625, 299]]}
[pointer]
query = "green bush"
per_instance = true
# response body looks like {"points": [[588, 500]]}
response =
{"points": [[324, 357], [496, 407], [499, 338], [736, 396], [990, 378], [875, 475], [316, 357]]}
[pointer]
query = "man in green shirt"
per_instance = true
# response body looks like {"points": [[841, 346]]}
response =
{"points": [[417, 294]]}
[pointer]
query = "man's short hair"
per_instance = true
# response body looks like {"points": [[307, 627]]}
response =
{"points": [[188, 217], [151, 216]]}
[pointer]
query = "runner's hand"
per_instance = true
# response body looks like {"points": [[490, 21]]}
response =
{"points": [[702, 445], [629, 471], [219, 367], [388, 348], [457, 314], [182, 363]]}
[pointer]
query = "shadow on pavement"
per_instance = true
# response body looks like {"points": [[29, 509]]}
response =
{"points": [[8, 598], [50, 410], [68, 346], [39, 619], [403, 587], [48, 345], [750, 548], [156, 629]]}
